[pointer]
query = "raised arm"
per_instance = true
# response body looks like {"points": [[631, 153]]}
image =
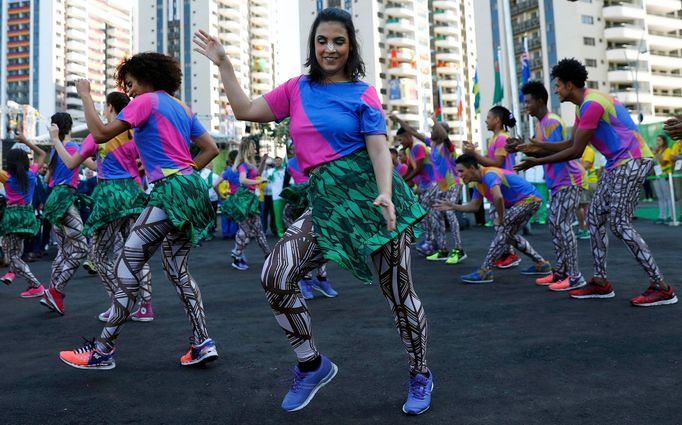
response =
{"points": [[70, 161], [438, 132], [101, 132], [408, 128], [38, 154], [244, 109], [383, 172]]}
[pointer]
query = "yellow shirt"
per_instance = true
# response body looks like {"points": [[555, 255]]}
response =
{"points": [[588, 156], [663, 158]]}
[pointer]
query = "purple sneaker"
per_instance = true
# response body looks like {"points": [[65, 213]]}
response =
{"points": [[143, 314], [306, 286], [323, 286]]}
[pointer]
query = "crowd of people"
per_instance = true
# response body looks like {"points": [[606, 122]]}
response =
{"points": [[341, 195]]}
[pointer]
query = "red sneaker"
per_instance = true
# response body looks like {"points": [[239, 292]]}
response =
{"points": [[549, 279], [592, 290], [654, 296], [54, 300], [507, 262]]}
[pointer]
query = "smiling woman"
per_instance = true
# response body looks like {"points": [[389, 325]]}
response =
{"points": [[358, 206]]}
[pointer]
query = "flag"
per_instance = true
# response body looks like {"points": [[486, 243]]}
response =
{"points": [[476, 91], [460, 105], [439, 102], [498, 95], [525, 68]]}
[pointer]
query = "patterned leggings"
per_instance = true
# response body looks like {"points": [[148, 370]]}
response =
{"points": [[250, 228], [298, 252], [506, 234], [427, 196], [438, 224], [13, 246], [108, 242], [72, 248], [561, 212], [289, 216], [151, 230], [614, 202]]}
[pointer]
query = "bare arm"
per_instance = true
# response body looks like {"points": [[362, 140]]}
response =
{"points": [[92, 165], [383, 172], [414, 172], [473, 206], [498, 202], [38, 154], [580, 140], [408, 128], [71, 161], [101, 132], [244, 109], [262, 164], [207, 150], [438, 133]]}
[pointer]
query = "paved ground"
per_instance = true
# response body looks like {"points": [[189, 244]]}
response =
{"points": [[506, 353]]}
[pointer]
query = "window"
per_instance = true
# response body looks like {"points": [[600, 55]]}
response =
{"points": [[588, 41], [592, 84], [591, 63], [587, 19]]}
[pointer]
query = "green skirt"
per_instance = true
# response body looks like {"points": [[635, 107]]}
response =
{"points": [[114, 200], [347, 225], [19, 219], [241, 205], [60, 200], [185, 200], [296, 196]]}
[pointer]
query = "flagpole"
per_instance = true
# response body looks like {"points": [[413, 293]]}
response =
{"points": [[509, 41]]}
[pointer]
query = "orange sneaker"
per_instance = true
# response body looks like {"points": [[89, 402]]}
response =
{"points": [[568, 284], [89, 357], [549, 279]]}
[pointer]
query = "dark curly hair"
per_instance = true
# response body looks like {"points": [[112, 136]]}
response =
{"points": [[64, 122], [162, 72], [570, 70], [508, 120], [536, 89], [355, 67]]}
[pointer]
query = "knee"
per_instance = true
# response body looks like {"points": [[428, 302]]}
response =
{"points": [[619, 228]]}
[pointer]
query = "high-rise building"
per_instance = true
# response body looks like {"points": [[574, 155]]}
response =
{"points": [[46, 44], [243, 27], [419, 55]]}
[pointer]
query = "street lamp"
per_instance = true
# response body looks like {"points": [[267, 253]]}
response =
{"points": [[641, 48]]}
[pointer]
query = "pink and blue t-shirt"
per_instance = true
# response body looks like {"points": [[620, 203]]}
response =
{"points": [[61, 175], [295, 171], [13, 193], [444, 167], [497, 146], [419, 151], [116, 159], [514, 188], [615, 134], [328, 121], [401, 169], [232, 177], [251, 173], [164, 128], [561, 174]]}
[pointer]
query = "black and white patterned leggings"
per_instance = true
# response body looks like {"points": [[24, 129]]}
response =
{"points": [[250, 228], [298, 252], [506, 234], [561, 213], [13, 246], [72, 249], [151, 230], [614, 203], [289, 217], [427, 196], [438, 224], [107, 245]]}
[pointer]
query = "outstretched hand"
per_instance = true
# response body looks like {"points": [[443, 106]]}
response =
{"points": [[469, 148], [512, 145], [387, 209], [443, 205], [526, 164], [210, 47], [673, 128]]}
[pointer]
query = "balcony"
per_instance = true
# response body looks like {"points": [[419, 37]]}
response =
{"points": [[404, 102], [446, 4], [446, 42], [449, 97], [400, 25], [659, 40], [448, 83], [400, 41], [665, 62], [629, 97], [663, 6], [627, 75], [663, 23], [523, 6], [399, 12], [260, 21], [666, 81], [261, 87], [623, 55], [402, 70], [261, 53], [446, 30], [262, 42], [623, 13], [445, 16], [261, 32], [260, 11], [448, 57], [447, 69], [624, 34], [526, 25], [673, 101], [533, 43], [261, 75]]}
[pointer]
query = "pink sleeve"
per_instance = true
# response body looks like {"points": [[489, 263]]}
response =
{"points": [[279, 100], [242, 169], [501, 146], [89, 147], [34, 168], [419, 152], [138, 110], [590, 114]]}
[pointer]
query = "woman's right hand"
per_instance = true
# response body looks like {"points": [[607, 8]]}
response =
{"points": [[53, 129], [210, 47]]}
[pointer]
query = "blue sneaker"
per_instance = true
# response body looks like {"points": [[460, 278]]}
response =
{"points": [[306, 385], [418, 394], [324, 287], [306, 286], [425, 248], [203, 353], [240, 264], [479, 276], [538, 269]]}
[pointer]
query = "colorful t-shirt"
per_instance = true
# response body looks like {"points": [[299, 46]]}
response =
{"points": [[497, 146], [14, 195], [164, 128], [589, 156], [561, 174], [444, 169], [419, 151], [514, 188], [116, 159], [61, 173], [232, 177], [401, 169], [615, 134], [295, 171], [251, 173], [328, 121], [663, 159]]}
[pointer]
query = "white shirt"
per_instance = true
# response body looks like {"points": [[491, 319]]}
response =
{"points": [[275, 180], [210, 177]]}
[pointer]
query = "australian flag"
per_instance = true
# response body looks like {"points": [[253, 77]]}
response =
{"points": [[525, 68]]}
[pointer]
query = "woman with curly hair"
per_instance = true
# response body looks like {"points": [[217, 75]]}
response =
{"points": [[118, 198], [19, 219], [178, 213], [61, 211], [358, 206]]}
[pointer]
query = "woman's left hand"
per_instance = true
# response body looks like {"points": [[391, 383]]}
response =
{"points": [[387, 209]]}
